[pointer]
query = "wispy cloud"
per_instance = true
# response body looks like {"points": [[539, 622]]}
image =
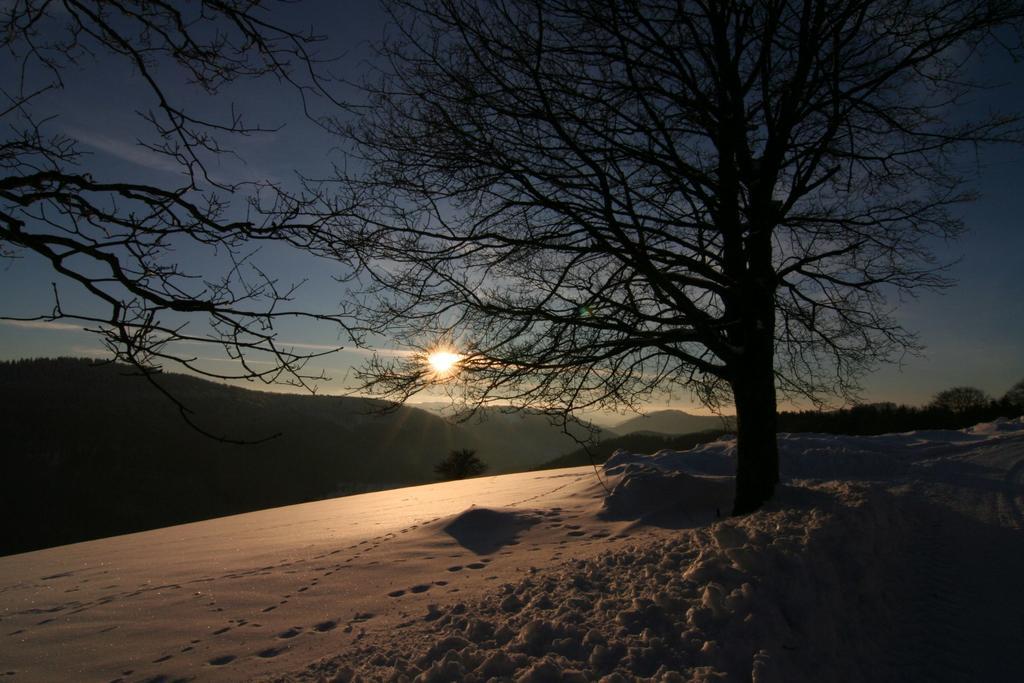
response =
{"points": [[134, 153], [381, 352], [309, 347], [43, 325], [126, 151], [361, 351], [55, 326], [235, 361]]}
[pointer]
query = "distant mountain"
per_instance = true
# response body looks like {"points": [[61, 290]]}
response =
{"points": [[443, 408], [533, 434], [496, 427], [674, 422], [95, 450]]}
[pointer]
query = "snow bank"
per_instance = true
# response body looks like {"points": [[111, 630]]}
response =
{"points": [[781, 595], [1000, 425], [801, 590], [827, 456], [642, 491]]}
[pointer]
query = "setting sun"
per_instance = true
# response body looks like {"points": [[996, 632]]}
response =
{"points": [[443, 363]]}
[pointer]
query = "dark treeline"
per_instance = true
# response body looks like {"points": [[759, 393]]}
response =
{"points": [[95, 450], [885, 418], [954, 408], [92, 451]]}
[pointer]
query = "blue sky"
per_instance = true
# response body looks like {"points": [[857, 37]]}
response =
{"points": [[974, 333]]}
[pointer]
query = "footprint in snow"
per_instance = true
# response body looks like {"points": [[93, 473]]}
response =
{"points": [[325, 626]]}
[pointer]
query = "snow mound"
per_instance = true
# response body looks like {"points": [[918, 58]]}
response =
{"points": [[485, 530], [780, 595], [1000, 425], [643, 491], [832, 580], [828, 456], [715, 458]]}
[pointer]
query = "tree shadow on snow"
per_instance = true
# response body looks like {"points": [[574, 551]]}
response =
{"points": [[485, 531]]}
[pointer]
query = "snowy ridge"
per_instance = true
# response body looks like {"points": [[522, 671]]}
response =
{"points": [[775, 596], [833, 581], [888, 558], [826, 456]]}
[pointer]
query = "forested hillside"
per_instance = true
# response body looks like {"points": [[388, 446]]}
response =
{"points": [[94, 450]]}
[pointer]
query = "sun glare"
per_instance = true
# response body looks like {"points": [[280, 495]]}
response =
{"points": [[443, 363]]}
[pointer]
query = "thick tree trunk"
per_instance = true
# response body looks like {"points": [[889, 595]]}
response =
{"points": [[753, 386], [757, 451]]}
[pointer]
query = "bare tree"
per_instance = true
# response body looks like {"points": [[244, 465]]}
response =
{"points": [[1015, 395], [118, 238], [598, 201], [961, 399]]}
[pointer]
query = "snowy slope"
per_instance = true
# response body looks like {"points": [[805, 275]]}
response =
{"points": [[895, 557], [822, 456]]}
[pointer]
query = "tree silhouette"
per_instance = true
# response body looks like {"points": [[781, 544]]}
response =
{"points": [[602, 201], [460, 464], [1015, 395], [961, 399], [121, 240]]}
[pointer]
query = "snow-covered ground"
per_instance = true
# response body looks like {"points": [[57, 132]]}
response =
{"points": [[899, 557]]}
